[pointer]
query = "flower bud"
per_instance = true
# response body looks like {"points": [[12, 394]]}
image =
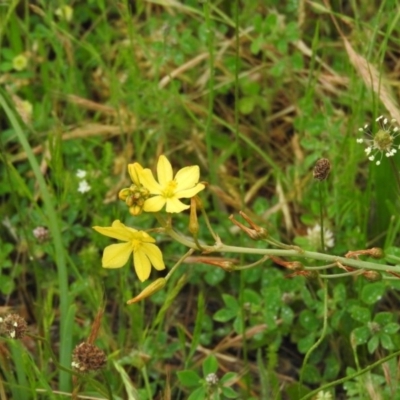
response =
{"points": [[124, 193], [372, 276], [154, 287], [376, 252]]}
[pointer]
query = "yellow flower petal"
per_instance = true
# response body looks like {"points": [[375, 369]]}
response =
{"points": [[175, 206], [148, 181], [187, 177], [117, 231], [142, 264], [116, 255], [164, 171], [134, 172], [155, 255], [187, 194], [154, 204]]}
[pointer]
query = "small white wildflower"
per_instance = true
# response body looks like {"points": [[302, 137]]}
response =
{"points": [[324, 396], [75, 365], [314, 237], [84, 186], [382, 142], [80, 173], [212, 379]]}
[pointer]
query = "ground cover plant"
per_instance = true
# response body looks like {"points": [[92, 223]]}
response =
{"points": [[199, 200]]}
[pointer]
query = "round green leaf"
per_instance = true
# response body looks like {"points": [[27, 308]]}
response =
{"points": [[305, 343], [383, 318], [360, 314], [308, 320], [360, 335], [372, 292], [391, 328]]}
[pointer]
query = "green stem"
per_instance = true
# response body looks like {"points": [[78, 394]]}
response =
{"points": [[323, 333], [186, 255], [347, 378], [321, 215], [222, 248]]}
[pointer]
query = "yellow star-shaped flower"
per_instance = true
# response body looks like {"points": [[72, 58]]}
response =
{"points": [[145, 253], [169, 189]]}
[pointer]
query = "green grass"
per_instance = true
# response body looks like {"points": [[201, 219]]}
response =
{"points": [[254, 93]]}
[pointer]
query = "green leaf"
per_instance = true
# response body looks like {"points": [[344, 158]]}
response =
{"points": [[386, 341], [224, 315], [339, 293], [372, 292], [360, 314], [391, 328], [311, 374], [231, 302], [305, 343], [361, 335], [373, 344], [229, 392], [198, 394], [246, 104], [383, 318], [227, 377], [189, 378], [210, 365], [251, 296], [238, 324], [214, 276], [287, 315], [308, 320]]}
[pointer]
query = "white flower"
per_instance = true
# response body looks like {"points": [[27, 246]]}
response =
{"points": [[84, 186], [324, 396], [382, 142], [80, 173], [314, 237]]}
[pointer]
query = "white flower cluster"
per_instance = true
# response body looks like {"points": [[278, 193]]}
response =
{"points": [[83, 184], [314, 237]]}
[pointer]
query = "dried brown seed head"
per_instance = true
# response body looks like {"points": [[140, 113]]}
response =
{"points": [[322, 169], [87, 357], [13, 326]]}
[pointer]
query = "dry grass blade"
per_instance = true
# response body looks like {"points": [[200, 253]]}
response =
{"points": [[373, 79]]}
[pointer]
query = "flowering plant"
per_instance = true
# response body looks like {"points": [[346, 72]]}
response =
{"points": [[146, 194]]}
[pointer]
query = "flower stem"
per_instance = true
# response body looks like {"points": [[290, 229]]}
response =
{"points": [[221, 248]]}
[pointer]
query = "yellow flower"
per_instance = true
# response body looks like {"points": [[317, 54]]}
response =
{"points": [[145, 253], [169, 189]]}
